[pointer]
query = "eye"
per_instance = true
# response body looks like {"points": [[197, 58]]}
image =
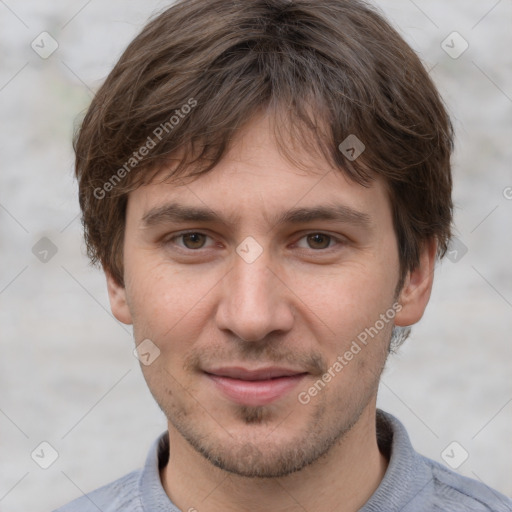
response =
{"points": [[192, 240], [319, 241]]}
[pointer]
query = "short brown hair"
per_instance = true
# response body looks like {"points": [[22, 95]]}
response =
{"points": [[328, 68]]}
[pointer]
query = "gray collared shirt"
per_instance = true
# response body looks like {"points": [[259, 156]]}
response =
{"points": [[412, 483]]}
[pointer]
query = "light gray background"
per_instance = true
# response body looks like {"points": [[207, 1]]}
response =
{"points": [[67, 373]]}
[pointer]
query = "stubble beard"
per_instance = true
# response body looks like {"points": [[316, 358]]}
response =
{"points": [[253, 454]]}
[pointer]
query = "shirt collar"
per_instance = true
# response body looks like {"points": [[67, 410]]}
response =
{"points": [[405, 478]]}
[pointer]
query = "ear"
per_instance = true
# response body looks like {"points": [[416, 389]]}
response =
{"points": [[415, 292], [118, 302]]}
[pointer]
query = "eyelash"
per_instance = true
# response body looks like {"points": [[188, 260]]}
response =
{"points": [[332, 238]]}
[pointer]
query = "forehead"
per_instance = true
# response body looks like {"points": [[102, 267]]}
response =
{"points": [[255, 175]]}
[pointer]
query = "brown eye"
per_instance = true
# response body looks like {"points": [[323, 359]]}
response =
{"points": [[319, 241], [193, 240]]}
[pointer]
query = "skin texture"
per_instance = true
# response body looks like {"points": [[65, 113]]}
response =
{"points": [[300, 304]]}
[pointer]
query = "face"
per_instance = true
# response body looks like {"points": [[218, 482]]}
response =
{"points": [[255, 284]]}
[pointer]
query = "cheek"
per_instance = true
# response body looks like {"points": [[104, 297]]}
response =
{"points": [[166, 303], [348, 299]]}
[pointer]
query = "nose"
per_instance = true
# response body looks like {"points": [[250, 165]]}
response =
{"points": [[254, 301]]}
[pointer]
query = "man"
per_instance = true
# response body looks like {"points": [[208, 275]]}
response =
{"points": [[267, 186]]}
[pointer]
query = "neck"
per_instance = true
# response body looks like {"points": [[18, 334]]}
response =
{"points": [[343, 479]]}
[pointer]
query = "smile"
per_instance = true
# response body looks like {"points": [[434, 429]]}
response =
{"points": [[255, 387]]}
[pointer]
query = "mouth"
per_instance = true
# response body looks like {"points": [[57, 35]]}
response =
{"points": [[254, 387]]}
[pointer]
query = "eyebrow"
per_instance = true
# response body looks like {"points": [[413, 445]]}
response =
{"points": [[174, 212]]}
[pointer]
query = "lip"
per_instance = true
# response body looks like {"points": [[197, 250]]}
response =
{"points": [[255, 387]]}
